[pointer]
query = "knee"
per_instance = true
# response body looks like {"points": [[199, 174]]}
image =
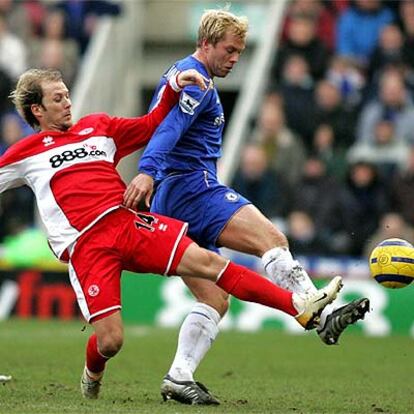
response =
{"points": [[273, 238], [110, 344]]}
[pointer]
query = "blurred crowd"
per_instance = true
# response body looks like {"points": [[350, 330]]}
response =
{"points": [[331, 154], [43, 34]]}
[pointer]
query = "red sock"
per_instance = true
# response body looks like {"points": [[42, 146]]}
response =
{"points": [[95, 361], [247, 285]]}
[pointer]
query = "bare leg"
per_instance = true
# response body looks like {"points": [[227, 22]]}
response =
{"points": [[249, 231], [102, 345]]}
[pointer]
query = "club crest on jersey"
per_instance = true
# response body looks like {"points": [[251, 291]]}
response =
{"points": [[85, 131], [188, 104], [93, 290], [48, 140], [232, 197]]}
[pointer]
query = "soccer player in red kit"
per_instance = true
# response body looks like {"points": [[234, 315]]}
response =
{"points": [[71, 169]]}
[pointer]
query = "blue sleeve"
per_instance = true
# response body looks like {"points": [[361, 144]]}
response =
{"points": [[192, 102]]}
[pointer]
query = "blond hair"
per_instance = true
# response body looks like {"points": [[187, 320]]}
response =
{"points": [[214, 25], [29, 91]]}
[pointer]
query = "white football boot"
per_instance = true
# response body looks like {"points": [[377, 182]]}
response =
{"points": [[310, 305]]}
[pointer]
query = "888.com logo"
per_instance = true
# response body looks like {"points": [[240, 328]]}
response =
{"points": [[69, 155]]}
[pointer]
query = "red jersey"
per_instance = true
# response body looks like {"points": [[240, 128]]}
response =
{"points": [[72, 173]]}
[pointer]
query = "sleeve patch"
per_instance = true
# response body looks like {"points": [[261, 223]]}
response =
{"points": [[188, 104]]}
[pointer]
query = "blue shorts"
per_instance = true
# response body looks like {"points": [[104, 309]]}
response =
{"points": [[199, 200]]}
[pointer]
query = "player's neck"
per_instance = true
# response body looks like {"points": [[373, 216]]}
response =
{"points": [[52, 128], [198, 54]]}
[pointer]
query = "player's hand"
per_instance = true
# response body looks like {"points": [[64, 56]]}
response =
{"points": [[141, 187], [192, 77]]}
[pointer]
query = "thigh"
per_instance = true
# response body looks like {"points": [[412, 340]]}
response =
{"points": [[249, 231], [152, 243]]}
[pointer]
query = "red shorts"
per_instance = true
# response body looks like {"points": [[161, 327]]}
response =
{"points": [[122, 240]]}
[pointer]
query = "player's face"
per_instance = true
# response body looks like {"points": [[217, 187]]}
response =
{"points": [[54, 114], [224, 55]]}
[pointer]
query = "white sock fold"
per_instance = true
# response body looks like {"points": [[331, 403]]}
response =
{"points": [[197, 334]]}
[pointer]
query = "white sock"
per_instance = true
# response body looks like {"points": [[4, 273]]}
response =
{"points": [[197, 334], [278, 264]]}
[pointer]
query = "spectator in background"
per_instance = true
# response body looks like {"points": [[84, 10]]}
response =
{"points": [[323, 12], [325, 147], [348, 79], [402, 190], [81, 17], [302, 40], [260, 184], [11, 131], [296, 89], [24, 17], [394, 104], [329, 109], [391, 225], [389, 50], [284, 150], [362, 201], [406, 13], [12, 51], [52, 50], [358, 29], [304, 236], [16, 205], [388, 151], [6, 85], [317, 194]]}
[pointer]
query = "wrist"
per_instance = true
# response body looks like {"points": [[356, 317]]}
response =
{"points": [[148, 173]]}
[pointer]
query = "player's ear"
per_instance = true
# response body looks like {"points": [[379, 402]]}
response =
{"points": [[36, 110], [205, 44]]}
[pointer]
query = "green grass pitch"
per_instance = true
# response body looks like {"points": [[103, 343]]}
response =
{"points": [[265, 372]]}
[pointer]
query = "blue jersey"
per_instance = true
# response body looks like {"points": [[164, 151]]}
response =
{"points": [[182, 157], [190, 137]]}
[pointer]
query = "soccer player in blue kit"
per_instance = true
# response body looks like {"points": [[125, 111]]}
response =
{"points": [[181, 158]]}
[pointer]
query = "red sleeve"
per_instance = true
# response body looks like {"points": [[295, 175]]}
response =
{"points": [[131, 134]]}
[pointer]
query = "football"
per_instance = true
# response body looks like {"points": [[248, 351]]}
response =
{"points": [[392, 263]]}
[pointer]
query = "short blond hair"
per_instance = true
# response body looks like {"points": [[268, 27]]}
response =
{"points": [[29, 91], [214, 25]]}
